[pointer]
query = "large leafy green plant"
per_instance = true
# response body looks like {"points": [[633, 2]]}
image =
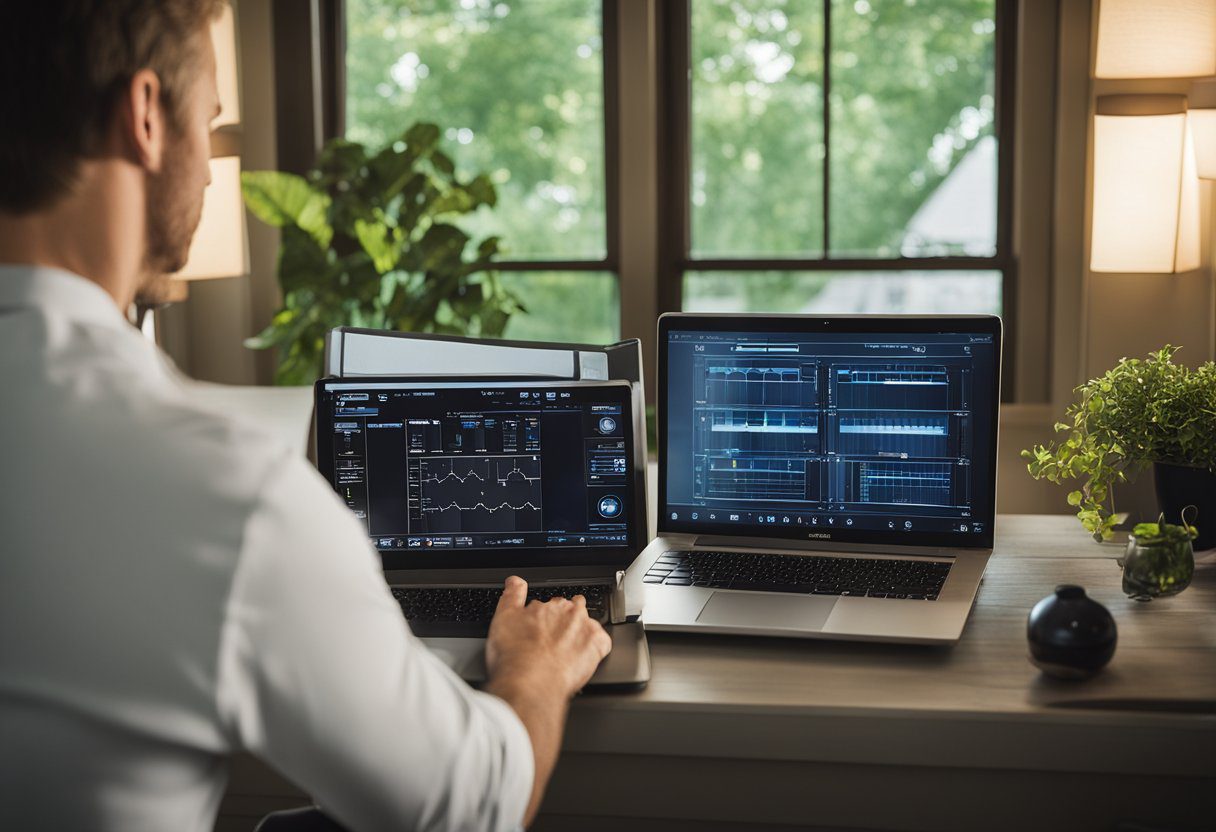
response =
{"points": [[370, 241], [1139, 412]]}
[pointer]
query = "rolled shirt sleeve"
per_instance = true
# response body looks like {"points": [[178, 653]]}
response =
{"points": [[320, 676]]}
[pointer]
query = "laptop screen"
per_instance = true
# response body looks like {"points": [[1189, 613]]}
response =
{"points": [[477, 473], [865, 430]]}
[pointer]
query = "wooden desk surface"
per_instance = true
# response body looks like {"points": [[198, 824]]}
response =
{"points": [[1166, 649], [1164, 668], [749, 731], [739, 733]]}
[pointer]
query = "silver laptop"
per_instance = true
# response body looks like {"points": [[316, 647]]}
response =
{"points": [[461, 484], [823, 477]]}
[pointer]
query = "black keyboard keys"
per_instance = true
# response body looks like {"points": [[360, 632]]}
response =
{"points": [[468, 610], [908, 579]]}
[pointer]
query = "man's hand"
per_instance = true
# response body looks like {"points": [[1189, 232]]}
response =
{"points": [[555, 640], [538, 656]]}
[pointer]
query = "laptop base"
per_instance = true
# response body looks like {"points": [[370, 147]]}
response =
{"points": [[697, 609], [627, 667]]}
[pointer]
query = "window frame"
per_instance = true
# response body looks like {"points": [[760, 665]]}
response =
{"points": [[676, 259], [324, 30], [310, 113]]}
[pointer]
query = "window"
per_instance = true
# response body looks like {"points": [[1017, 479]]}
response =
{"points": [[841, 156], [816, 155], [518, 88]]}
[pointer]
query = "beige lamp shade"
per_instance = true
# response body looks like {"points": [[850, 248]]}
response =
{"points": [[220, 247], [1146, 192], [1156, 39], [1203, 134]]}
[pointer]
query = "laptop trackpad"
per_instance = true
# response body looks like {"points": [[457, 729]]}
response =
{"points": [[770, 610]]}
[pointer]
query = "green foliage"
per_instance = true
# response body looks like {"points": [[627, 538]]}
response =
{"points": [[912, 90], [1139, 412], [369, 241], [520, 85], [519, 89], [911, 94], [1163, 533], [1159, 561]]}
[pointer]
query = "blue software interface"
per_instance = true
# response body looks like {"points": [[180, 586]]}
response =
{"points": [[831, 431], [482, 467]]}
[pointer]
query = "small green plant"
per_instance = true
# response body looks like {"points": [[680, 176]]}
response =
{"points": [[1159, 560], [1139, 412], [369, 240], [1162, 533]]}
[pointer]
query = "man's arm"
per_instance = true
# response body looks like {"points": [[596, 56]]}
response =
{"points": [[538, 656], [319, 675]]}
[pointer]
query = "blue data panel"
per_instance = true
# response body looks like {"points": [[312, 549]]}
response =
{"points": [[849, 430]]}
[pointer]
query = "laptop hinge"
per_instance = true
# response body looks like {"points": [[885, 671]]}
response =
{"points": [[819, 547], [616, 606]]}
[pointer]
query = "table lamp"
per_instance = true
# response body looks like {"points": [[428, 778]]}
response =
{"points": [[1201, 118], [1146, 191], [1156, 39], [1149, 151]]}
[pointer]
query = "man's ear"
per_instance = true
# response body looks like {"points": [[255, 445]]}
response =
{"points": [[142, 120]]}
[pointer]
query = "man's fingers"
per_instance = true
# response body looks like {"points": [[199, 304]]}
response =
{"points": [[603, 641], [579, 601], [514, 593]]}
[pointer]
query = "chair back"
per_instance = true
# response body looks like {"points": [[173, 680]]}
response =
{"points": [[304, 819]]}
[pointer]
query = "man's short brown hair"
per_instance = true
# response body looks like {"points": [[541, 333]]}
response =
{"points": [[64, 64]]}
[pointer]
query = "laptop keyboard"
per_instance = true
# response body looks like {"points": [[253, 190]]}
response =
{"points": [[819, 575], [468, 610]]}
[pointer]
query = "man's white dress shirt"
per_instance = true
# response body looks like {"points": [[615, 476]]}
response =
{"points": [[177, 585]]}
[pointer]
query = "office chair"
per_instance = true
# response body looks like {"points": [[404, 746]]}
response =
{"points": [[304, 819]]}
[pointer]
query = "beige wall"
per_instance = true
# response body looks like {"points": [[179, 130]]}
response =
{"points": [[1119, 315], [1099, 318]]}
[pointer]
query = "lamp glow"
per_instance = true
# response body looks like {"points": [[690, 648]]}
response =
{"points": [[219, 248], [1156, 39], [1146, 193], [1203, 133], [223, 35]]}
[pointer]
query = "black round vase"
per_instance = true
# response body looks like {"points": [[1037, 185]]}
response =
{"points": [[1179, 486], [1071, 635]]}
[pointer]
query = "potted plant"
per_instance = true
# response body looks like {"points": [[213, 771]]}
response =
{"points": [[369, 240], [1160, 560], [1140, 412]]}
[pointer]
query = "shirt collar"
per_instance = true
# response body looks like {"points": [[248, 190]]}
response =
{"points": [[59, 292]]}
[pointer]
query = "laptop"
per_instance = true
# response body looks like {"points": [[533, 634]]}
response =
{"points": [[461, 484], [823, 477]]}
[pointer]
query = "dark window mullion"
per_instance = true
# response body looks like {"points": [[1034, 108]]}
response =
{"points": [[606, 265], [675, 136], [1005, 64], [333, 67], [610, 40], [827, 124], [850, 264]]}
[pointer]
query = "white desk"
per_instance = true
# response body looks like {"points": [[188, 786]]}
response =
{"points": [[285, 411]]}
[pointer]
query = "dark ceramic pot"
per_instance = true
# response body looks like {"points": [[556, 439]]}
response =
{"points": [[1071, 635], [1179, 486]]}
